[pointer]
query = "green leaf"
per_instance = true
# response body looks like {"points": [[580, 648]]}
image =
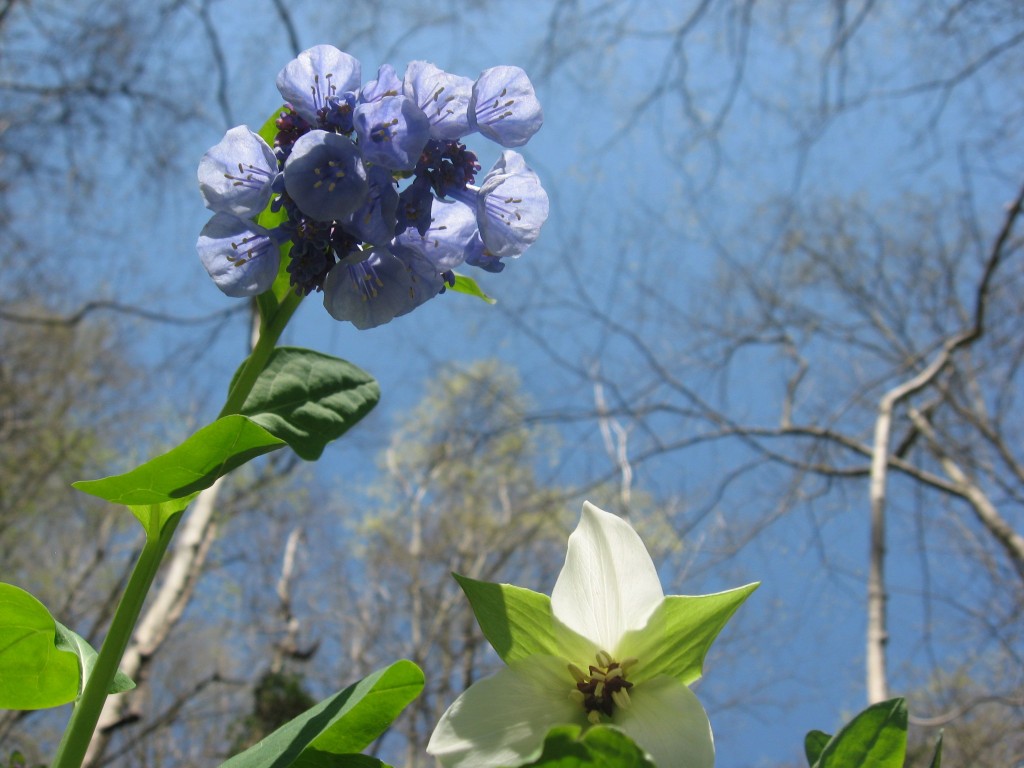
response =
{"points": [[314, 758], [68, 640], [164, 486], [876, 737], [35, 672], [469, 286], [268, 301], [680, 632], [937, 757], [343, 724], [600, 746], [307, 398], [517, 622], [814, 743], [268, 131]]}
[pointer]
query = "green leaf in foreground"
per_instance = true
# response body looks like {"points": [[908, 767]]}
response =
{"points": [[469, 286], [308, 399], [876, 737], [268, 131], [693, 623], [937, 757], [517, 622], [35, 672], [313, 758], [343, 724], [599, 746], [163, 487], [193, 466], [68, 640], [814, 743]]}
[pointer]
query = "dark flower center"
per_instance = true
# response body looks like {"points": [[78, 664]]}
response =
{"points": [[604, 688], [449, 165]]}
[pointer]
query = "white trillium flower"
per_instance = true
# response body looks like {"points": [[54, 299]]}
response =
{"points": [[608, 648]]}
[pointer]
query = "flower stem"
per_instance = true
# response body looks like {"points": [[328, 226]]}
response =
{"points": [[270, 331], [75, 742], [87, 710]]}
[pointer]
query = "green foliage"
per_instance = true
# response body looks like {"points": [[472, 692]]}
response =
{"points": [[42, 663], [469, 286], [601, 745], [277, 698], [269, 301], [17, 760], [937, 757], [517, 622], [876, 737], [814, 743], [308, 399], [268, 131], [693, 623], [302, 398], [34, 672], [162, 487], [68, 640], [332, 732]]}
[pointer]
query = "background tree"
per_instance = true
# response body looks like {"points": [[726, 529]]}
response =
{"points": [[460, 493], [853, 350]]}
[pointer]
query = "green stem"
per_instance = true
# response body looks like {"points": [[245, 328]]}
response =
{"points": [[270, 332], [87, 710], [89, 706]]}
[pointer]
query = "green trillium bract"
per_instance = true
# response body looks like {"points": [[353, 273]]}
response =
{"points": [[607, 648]]}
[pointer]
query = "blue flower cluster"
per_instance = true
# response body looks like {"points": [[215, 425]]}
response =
{"points": [[379, 194]]}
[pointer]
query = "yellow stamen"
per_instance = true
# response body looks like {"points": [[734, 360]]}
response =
{"points": [[621, 698]]}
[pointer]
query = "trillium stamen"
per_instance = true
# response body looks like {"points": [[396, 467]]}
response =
{"points": [[604, 688]]}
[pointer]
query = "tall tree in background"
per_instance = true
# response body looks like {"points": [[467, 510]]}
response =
{"points": [[460, 493], [860, 325]]}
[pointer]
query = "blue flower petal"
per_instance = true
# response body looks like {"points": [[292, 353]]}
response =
{"points": [[236, 175], [392, 132], [241, 257], [385, 285], [316, 74], [374, 222], [504, 107], [325, 176], [444, 99], [511, 206], [478, 256], [451, 231], [387, 84]]}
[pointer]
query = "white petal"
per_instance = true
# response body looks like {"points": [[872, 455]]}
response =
{"points": [[667, 720], [503, 719], [608, 585]]}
